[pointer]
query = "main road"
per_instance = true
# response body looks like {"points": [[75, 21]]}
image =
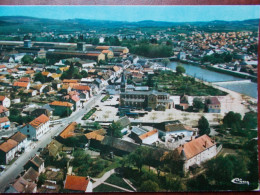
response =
{"points": [[14, 170]]}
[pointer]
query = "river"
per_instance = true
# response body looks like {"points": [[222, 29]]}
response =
{"points": [[249, 89]]}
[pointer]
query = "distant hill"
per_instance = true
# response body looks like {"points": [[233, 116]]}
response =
{"points": [[39, 24]]}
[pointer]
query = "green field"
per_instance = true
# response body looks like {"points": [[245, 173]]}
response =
{"points": [[89, 114]]}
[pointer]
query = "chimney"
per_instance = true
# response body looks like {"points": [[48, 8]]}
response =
{"points": [[205, 144]]}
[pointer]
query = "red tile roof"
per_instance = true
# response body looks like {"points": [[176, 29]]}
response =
{"points": [[3, 109], [4, 119], [2, 98], [2, 66], [93, 54], [68, 131], [148, 134], [58, 103], [70, 81], [39, 121], [20, 84], [24, 79], [102, 47], [8, 145], [18, 137], [76, 183], [82, 87], [214, 100], [196, 146]]}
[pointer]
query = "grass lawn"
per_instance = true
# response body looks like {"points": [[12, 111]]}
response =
{"points": [[175, 84], [106, 188], [117, 180], [105, 98], [89, 114]]}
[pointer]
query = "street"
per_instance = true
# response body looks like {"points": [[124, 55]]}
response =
{"points": [[16, 168]]}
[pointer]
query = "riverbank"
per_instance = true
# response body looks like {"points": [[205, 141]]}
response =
{"points": [[232, 73]]}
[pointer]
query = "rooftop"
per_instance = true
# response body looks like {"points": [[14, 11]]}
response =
{"points": [[196, 146], [77, 183], [39, 121], [68, 131]]}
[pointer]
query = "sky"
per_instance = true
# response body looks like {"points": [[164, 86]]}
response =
{"points": [[137, 13]]}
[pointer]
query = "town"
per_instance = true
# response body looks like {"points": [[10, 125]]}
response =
{"points": [[99, 111]]}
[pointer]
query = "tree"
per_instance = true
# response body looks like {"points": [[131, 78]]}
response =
{"points": [[40, 60], [84, 73], [39, 77], [149, 186], [42, 179], [115, 130], [27, 59], [220, 170], [180, 70], [165, 62], [203, 126], [198, 104], [139, 157], [233, 121], [250, 120], [173, 163]]}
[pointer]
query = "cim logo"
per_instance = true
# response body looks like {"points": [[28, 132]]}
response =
{"points": [[239, 181]]}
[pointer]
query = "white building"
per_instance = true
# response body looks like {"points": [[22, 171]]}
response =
{"points": [[197, 151], [177, 130], [149, 137], [5, 101], [4, 123], [36, 128], [7, 151]]}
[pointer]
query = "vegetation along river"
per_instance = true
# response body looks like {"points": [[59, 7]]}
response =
{"points": [[249, 88]]}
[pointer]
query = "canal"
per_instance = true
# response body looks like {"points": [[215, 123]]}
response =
{"points": [[249, 89]]}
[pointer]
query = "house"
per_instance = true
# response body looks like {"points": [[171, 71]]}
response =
{"points": [[39, 88], [5, 101], [177, 129], [213, 105], [24, 79], [197, 151], [21, 85], [68, 131], [21, 139], [4, 123], [73, 98], [21, 185], [36, 128], [95, 137], [54, 148], [65, 88], [61, 108], [7, 151], [36, 163], [30, 92], [82, 88], [149, 137], [4, 111], [75, 183], [184, 102], [39, 111], [31, 175]]}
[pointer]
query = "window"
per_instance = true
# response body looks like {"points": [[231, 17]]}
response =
{"points": [[27, 130]]}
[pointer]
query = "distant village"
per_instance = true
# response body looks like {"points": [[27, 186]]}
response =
{"points": [[61, 98]]}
